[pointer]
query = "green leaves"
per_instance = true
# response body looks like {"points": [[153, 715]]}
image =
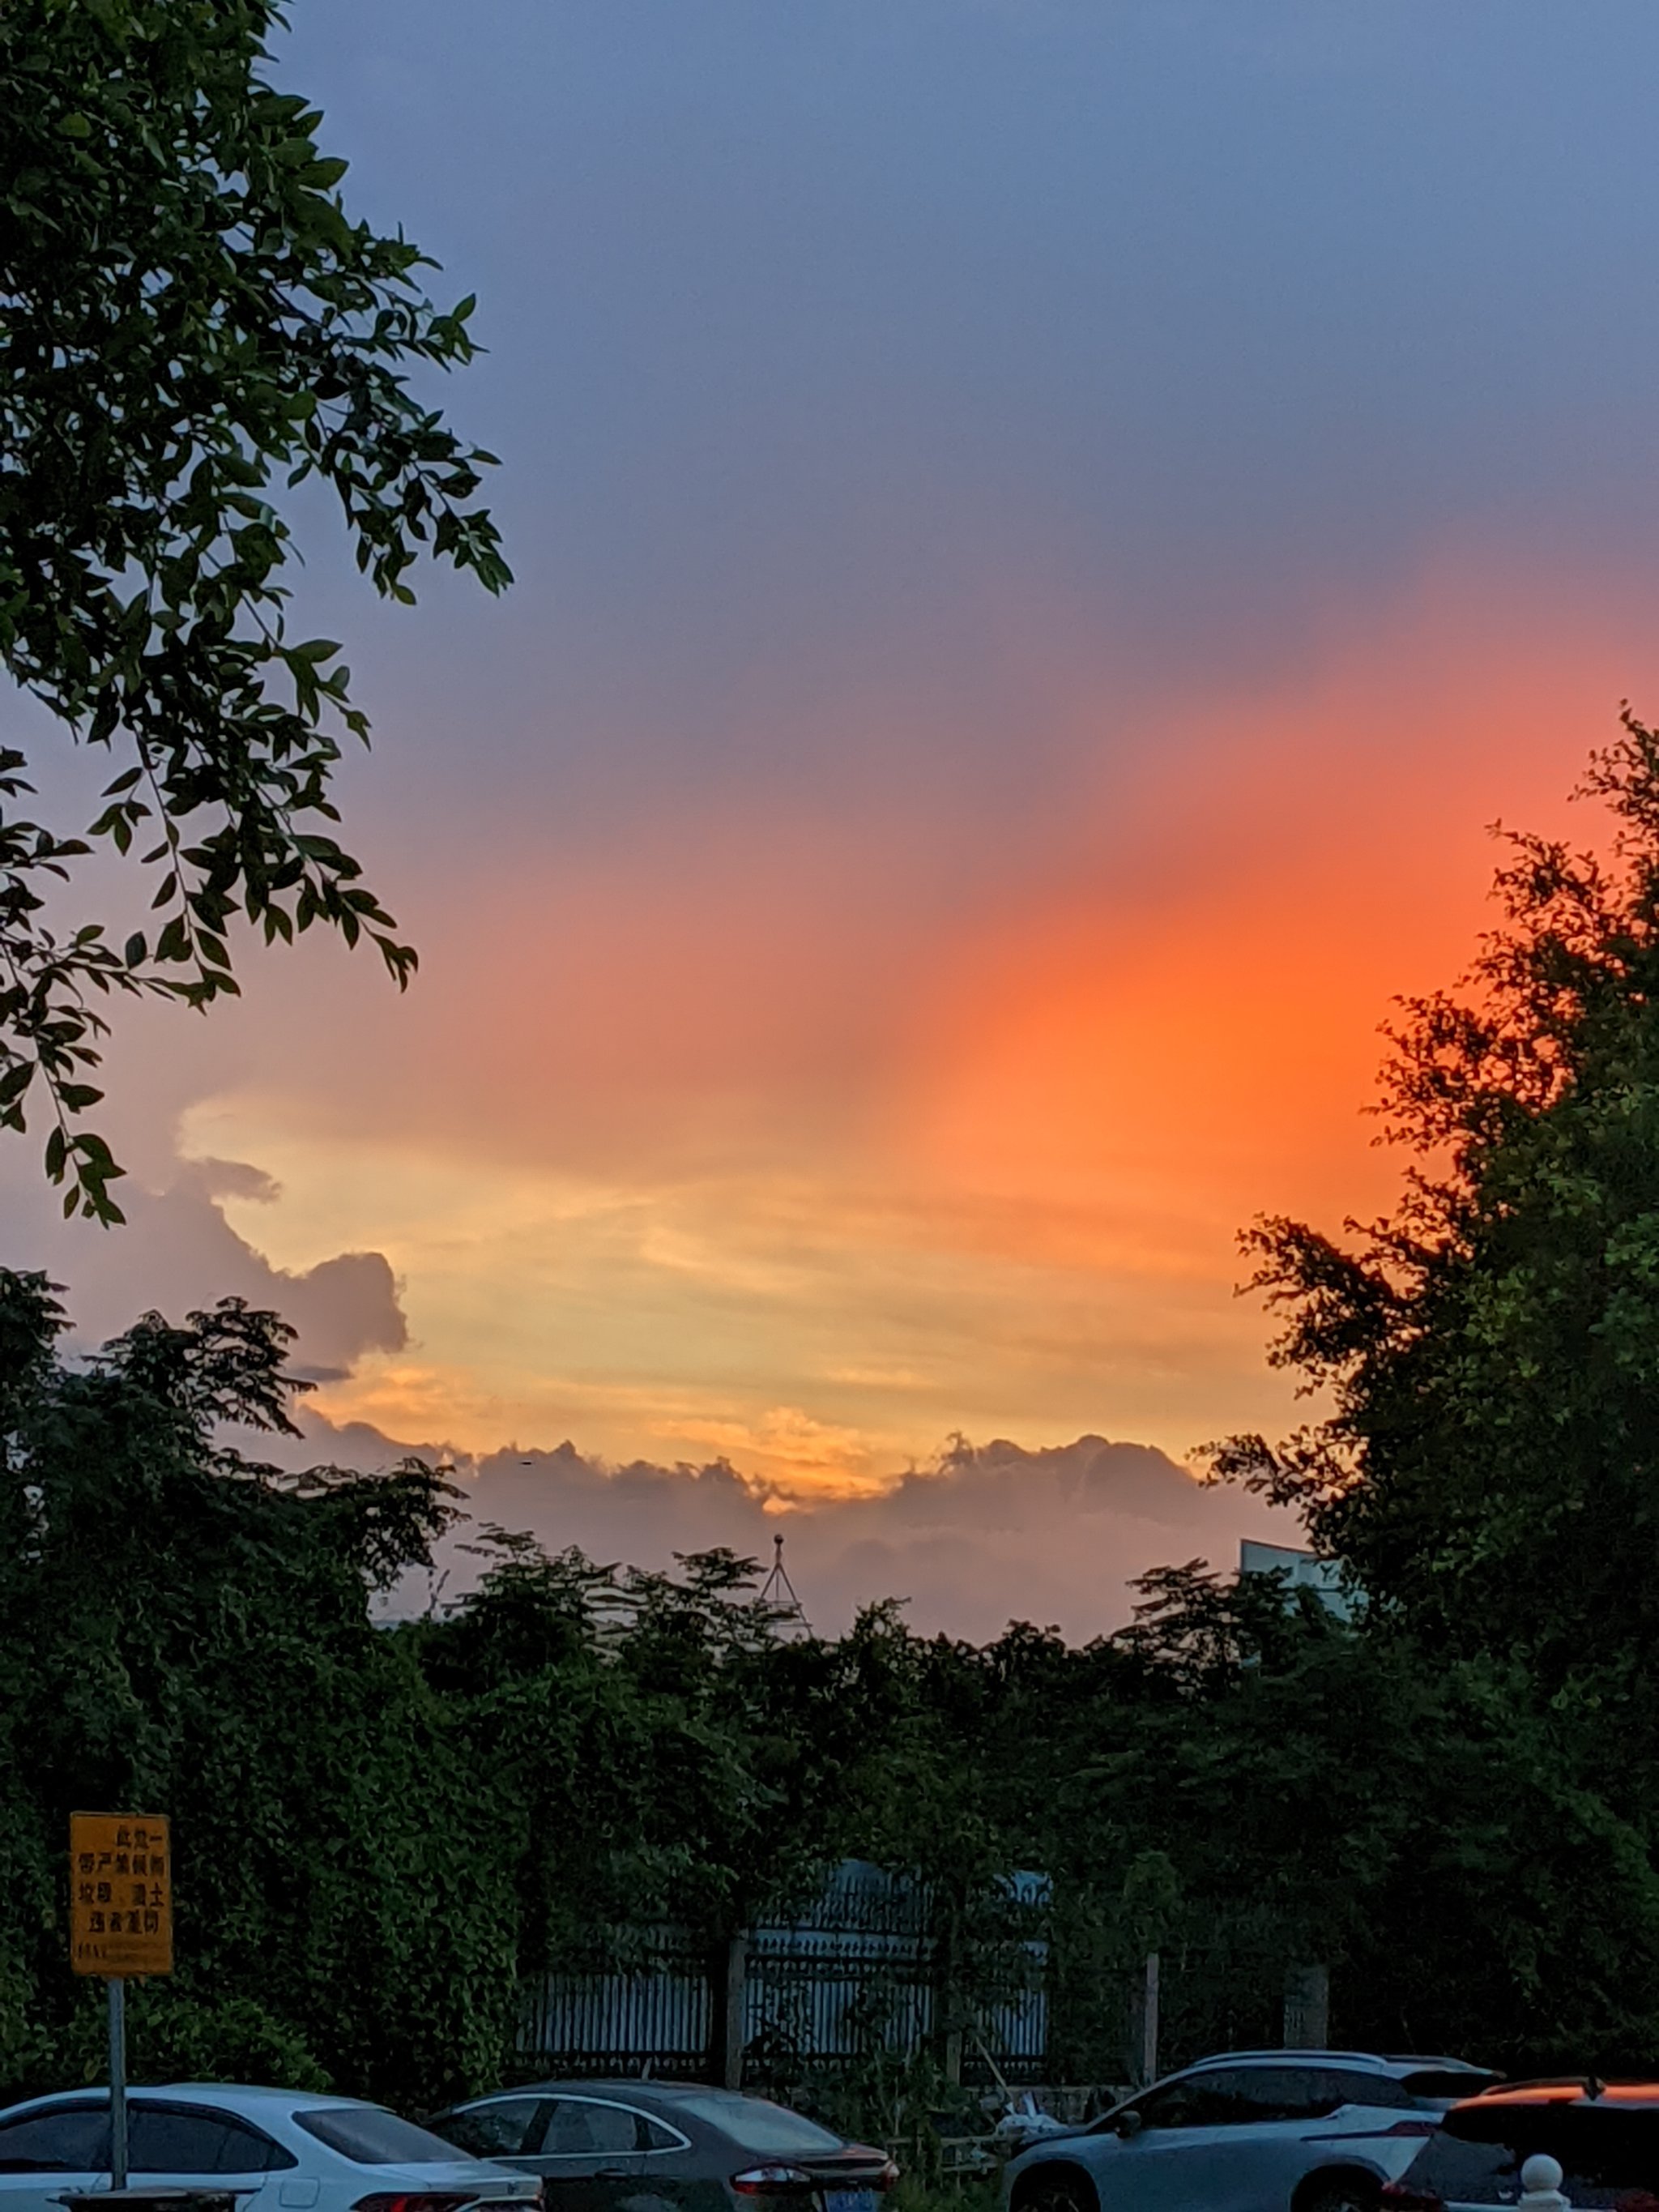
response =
{"points": [[189, 323], [1492, 1352], [237, 1680]]}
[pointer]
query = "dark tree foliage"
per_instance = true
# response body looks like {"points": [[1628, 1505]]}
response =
{"points": [[189, 323], [380, 1830], [1421, 1826], [185, 1630], [1490, 1467], [389, 1823]]}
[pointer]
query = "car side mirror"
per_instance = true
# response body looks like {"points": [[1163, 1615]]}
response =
{"points": [[1128, 2124]]}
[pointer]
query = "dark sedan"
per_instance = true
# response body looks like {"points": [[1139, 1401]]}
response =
{"points": [[668, 2147]]}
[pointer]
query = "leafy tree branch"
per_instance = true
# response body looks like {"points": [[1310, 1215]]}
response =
{"points": [[190, 325]]}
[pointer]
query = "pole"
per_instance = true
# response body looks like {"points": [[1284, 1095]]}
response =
{"points": [[736, 1966], [117, 2083], [1307, 2007], [1148, 2053]]}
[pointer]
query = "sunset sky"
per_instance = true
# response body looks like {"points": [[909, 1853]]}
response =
{"points": [[1046, 531]]}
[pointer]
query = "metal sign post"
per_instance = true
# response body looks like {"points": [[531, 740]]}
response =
{"points": [[120, 1924], [118, 2081]]}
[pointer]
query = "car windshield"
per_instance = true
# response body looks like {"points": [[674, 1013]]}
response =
{"points": [[755, 2125], [371, 2136], [1608, 2154]]}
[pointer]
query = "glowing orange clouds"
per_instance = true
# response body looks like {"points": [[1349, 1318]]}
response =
{"points": [[739, 1148], [1188, 1034]]}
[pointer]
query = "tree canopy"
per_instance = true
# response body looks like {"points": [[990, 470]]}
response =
{"points": [[190, 325], [1489, 1466], [388, 1823]]}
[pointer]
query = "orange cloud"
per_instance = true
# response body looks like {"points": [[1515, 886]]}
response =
{"points": [[906, 1125], [795, 1455], [1185, 1031]]}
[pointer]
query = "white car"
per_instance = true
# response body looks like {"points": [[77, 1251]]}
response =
{"points": [[1249, 2131], [280, 2150]]}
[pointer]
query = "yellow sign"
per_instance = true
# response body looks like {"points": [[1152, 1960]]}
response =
{"points": [[120, 1894]]}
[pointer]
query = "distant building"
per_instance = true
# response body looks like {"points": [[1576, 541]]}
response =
{"points": [[1303, 1570]]}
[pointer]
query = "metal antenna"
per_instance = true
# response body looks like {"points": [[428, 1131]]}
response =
{"points": [[779, 1592]]}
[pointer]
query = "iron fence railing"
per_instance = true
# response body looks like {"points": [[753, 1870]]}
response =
{"points": [[658, 2016], [863, 1967]]}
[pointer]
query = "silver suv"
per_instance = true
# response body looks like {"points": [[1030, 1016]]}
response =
{"points": [[1248, 2131]]}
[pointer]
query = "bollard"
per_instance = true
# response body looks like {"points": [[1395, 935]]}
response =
{"points": [[1541, 2185]]}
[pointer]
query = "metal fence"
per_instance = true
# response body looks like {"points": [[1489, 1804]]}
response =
{"points": [[864, 1967], [658, 2016]]}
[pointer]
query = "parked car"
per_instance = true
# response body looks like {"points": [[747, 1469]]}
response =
{"points": [[1604, 2137], [279, 2150], [1248, 2131], [649, 2146]]}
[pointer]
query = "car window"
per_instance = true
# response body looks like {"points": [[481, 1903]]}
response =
{"points": [[72, 2139], [1289, 2092], [1489, 2173], [1177, 2104], [1375, 2089], [498, 2130], [370, 2136], [1192, 2103], [581, 2127], [1604, 2150], [659, 2137], [1244, 2096], [1462, 2173], [754, 2124], [184, 2139]]}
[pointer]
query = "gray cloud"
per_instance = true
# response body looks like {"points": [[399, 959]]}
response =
{"points": [[990, 1533], [179, 1252]]}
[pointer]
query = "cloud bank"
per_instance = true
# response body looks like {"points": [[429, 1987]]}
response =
{"points": [[989, 1533], [980, 1535]]}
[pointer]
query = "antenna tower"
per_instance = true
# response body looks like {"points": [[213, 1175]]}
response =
{"points": [[779, 1592]]}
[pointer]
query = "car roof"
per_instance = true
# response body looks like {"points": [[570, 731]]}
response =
{"points": [[233, 2095], [254, 2091], [1378, 2061], [616, 2085], [1576, 2091]]}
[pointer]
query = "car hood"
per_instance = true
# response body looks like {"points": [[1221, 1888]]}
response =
{"points": [[1085, 2132]]}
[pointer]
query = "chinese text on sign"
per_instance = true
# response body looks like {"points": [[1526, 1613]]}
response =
{"points": [[120, 1894]]}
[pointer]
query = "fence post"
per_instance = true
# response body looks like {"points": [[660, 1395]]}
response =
{"points": [[1149, 2019], [947, 1995], [1307, 2007], [1140, 2045], [732, 1969]]}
